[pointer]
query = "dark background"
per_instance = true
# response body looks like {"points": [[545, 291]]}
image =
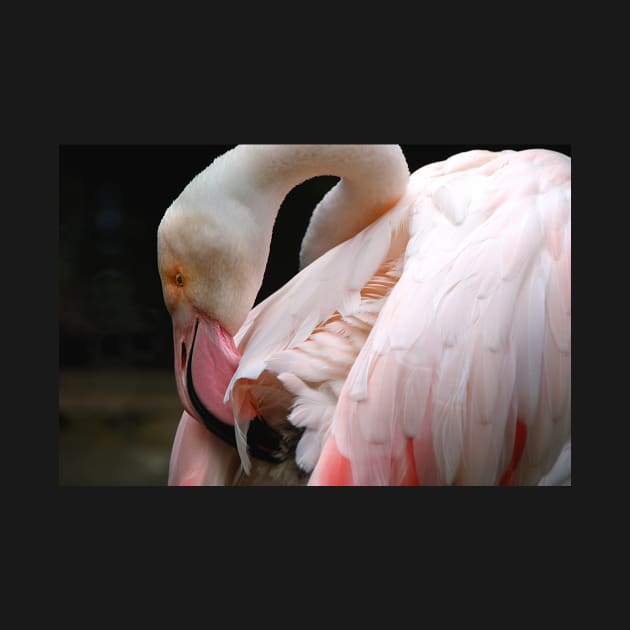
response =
{"points": [[118, 406]]}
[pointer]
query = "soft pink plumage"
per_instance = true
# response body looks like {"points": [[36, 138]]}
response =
{"points": [[434, 346]]}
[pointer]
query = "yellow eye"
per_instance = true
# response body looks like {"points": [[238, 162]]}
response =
{"points": [[179, 279]]}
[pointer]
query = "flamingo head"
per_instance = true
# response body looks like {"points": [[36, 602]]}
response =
{"points": [[206, 288]]}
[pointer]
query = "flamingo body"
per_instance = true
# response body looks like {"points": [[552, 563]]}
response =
{"points": [[431, 347]]}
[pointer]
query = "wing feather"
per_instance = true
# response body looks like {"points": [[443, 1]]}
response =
{"points": [[474, 337], [330, 284]]}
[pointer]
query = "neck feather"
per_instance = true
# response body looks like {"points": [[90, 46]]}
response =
{"points": [[373, 178], [253, 180]]}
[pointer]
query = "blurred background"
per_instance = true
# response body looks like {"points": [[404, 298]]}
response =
{"points": [[118, 405]]}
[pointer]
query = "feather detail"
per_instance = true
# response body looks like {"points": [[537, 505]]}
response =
{"points": [[460, 350]]}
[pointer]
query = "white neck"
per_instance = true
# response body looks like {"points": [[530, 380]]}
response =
{"points": [[373, 178], [253, 180]]}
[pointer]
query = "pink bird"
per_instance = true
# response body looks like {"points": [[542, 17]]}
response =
{"points": [[426, 339]]}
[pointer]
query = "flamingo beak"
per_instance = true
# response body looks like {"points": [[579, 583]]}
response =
{"points": [[205, 361]]}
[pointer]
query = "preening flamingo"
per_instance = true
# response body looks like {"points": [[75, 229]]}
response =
{"points": [[425, 340]]}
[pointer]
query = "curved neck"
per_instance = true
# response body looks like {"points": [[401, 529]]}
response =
{"points": [[252, 181], [373, 178]]}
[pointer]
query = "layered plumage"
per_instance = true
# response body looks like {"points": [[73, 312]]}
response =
{"points": [[433, 346]]}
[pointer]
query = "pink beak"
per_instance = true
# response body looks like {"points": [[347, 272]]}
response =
{"points": [[205, 361]]}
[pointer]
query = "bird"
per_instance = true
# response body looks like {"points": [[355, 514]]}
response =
{"points": [[425, 340]]}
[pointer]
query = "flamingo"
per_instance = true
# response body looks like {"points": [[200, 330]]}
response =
{"points": [[425, 340]]}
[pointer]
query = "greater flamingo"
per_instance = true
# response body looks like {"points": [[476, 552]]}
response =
{"points": [[425, 340]]}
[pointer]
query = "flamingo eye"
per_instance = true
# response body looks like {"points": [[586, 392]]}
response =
{"points": [[179, 279]]}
